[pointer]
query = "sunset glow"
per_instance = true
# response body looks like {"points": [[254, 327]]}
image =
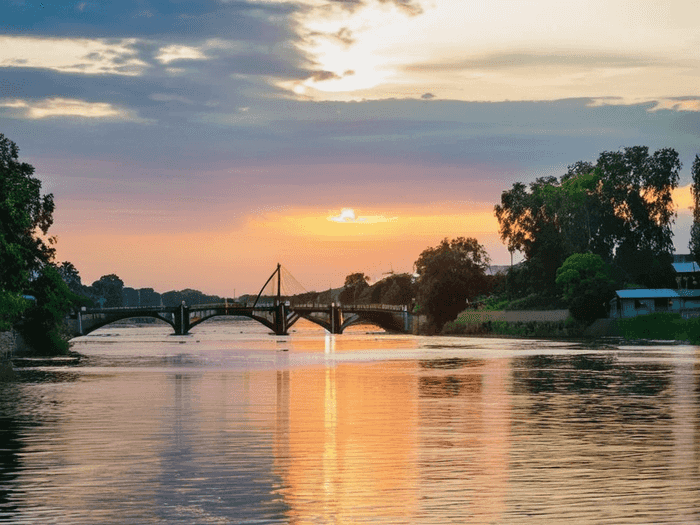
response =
{"points": [[199, 145]]}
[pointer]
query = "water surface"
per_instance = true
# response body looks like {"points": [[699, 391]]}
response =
{"points": [[233, 425]]}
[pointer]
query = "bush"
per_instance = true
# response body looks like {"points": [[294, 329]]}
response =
{"points": [[661, 326]]}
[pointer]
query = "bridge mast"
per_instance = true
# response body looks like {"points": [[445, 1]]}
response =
{"points": [[279, 284], [277, 271]]}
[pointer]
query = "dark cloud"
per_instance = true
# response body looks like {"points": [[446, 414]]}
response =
{"points": [[169, 21]]}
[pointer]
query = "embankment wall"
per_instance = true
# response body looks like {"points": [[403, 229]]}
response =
{"points": [[513, 316]]}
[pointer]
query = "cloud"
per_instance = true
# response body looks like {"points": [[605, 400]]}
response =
{"points": [[72, 55], [171, 53], [65, 107], [497, 51], [670, 104], [347, 215]]}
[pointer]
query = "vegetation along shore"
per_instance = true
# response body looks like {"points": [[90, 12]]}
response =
{"points": [[597, 228]]}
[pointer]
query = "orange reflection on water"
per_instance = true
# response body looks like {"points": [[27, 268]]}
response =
{"points": [[383, 441], [349, 443]]}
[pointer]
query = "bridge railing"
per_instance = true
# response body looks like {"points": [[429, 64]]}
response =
{"points": [[375, 306]]}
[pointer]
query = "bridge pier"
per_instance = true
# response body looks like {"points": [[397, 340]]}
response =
{"points": [[182, 320], [336, 319], [280, 320]]}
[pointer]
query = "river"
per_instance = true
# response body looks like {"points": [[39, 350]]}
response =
{"points": [[231, 425]]}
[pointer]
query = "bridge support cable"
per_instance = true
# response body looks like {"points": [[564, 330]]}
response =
{"points": [[280, 286]]}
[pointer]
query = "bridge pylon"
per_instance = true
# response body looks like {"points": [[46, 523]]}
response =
{"points": [[281, 319], [182, 320]]}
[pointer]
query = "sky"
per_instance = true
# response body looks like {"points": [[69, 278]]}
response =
{"points": [[195, 144]]}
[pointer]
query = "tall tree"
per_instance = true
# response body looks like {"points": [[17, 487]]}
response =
{"points": [[619, 208], [108, 291], [449, 275], [694, 245], [355, 284], [25, 217]]}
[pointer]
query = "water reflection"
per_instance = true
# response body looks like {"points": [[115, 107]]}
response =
{"points": [[308, 429]]}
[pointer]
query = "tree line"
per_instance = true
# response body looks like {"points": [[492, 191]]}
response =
{"points": [[36, 293], [598, 227], [109, 292]]}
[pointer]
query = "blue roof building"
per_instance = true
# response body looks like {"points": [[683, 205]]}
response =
{"points": [[643, 301]]}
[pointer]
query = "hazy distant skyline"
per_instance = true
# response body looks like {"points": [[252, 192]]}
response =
{"points": [[196, 144]]}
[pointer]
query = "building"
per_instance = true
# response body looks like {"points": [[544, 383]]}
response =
{"points": [[643, 301], [687, 271]]}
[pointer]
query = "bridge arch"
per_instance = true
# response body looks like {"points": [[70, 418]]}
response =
{"points": [[259, 319], [385, 320], [90, 325]]}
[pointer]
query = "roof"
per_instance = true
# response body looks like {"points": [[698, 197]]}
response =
{"points": [[646, 293], [655, 293], [686, 267]]}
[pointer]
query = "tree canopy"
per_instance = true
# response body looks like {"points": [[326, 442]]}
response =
{"points": [[694, 244], [25, 217], [449, 275], [618, 208], [587, 284], [355, 284]]}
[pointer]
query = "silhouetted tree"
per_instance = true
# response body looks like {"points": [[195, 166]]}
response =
{"points": [[449, 275], [108, 290], [617, 208], [694, 244], [355, 284]]}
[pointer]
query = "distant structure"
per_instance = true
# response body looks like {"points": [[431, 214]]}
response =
{"points": [[687, 271], [685, 299]]}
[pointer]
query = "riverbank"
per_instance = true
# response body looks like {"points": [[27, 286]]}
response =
{"points": [[557, 324], [517, 323]]}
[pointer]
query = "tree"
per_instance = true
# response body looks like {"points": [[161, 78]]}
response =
{"points": [[25, 215], [108, 291], [355, 284], [42, 326], [587, 284], [449, 275], [616, 208], [694, 244]]}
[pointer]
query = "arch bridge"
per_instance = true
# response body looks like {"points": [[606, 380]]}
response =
{"points": [[279, 316]]}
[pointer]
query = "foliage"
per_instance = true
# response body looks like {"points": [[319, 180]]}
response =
{"points": [[108, 291], [586, 284], [355, 284], [42, 326], [618, 208], [661, 326], [557, 329], [25, 215], [449, 275], [11, 308], [694, 244], [190, 296]]}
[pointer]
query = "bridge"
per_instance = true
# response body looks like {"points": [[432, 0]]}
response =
{"points": [[279, 315]]}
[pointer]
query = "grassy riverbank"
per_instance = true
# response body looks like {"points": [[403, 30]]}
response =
{"points": [[657, 326], [556, 328], [661, 326]]}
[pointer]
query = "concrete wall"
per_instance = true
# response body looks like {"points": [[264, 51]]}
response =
{"points": [[7, 344], [514, 316]]}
